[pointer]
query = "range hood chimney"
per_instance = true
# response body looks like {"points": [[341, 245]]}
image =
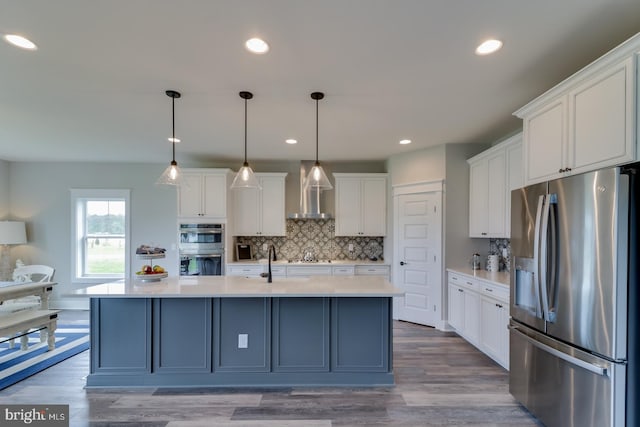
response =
{"points": [[309, 197]]}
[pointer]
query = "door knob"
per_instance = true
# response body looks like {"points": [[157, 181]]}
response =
{"points": [[402, 263]]}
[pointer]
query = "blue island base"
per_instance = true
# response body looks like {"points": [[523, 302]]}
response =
{"points": [[241, 342]]}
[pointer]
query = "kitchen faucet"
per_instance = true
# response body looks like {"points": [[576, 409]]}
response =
{"points": [[272, 250]]}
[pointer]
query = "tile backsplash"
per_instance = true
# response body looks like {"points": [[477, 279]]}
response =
{"points": [[318, 237], [501, 247]]}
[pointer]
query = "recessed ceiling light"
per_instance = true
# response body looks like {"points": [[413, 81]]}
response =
{"points": [[405, 141], [20, 41], [176, 140], [488, 46], [256, 45], [291, 141]]}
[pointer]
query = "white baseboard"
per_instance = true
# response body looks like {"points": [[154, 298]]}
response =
{"points": [[69, 304]]}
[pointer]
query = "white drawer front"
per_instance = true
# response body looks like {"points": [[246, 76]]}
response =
{"points": [[344, 270], [494, 291], [315, 270], [372, 270], [244, 270]]}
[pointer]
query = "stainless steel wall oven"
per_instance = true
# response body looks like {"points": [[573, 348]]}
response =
{"points": [[201, 248]]}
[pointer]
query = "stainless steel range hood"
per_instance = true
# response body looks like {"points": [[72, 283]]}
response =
{"points": [[309, 198]]}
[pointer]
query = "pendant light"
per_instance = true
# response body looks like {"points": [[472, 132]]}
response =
{"points": [[316, 177], [245, 178], [172, 174]]}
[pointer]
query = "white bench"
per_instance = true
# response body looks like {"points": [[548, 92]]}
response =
{"points": [[17, 318], [20, 322]]}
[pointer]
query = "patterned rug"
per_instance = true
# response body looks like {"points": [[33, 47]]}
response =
{"points": [[16, 365]]}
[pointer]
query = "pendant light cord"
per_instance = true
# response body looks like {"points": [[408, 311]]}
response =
{"points": [[173, 128], [316, 131], [245, 131]]}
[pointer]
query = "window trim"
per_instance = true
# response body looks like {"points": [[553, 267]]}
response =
{"points": [[78, 195]]}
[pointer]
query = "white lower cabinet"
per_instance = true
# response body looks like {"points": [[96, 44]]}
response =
{"points": [[255, 270], [494, 336], [479, 312], [305, 270]]}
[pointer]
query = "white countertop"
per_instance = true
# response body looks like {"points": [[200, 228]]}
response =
{"points": [[498, 278], [245, 287]]}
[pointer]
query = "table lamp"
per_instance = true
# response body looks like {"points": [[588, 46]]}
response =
{"points": [[11, 233]]}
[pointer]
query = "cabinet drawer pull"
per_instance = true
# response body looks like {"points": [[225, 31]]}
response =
{"points": [[454, 278], [460, 290], [469, 283], [499, 305], [484, 234], [488, 290]]}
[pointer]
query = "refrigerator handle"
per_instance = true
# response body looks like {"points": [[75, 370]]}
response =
{"points": [[596, 369], [544, 257], [536, 256], [553, 257]]}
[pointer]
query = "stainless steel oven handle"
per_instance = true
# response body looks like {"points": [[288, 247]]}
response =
{"points": [[204, 256], [596, 369], [188, 231]]}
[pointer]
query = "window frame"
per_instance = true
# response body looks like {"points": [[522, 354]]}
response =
{"points": [[78, 197]]}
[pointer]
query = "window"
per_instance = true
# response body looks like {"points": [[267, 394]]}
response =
{"points": [[100, 225]]}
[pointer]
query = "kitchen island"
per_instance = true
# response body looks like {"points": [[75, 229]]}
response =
{"points": [[221, 331]]}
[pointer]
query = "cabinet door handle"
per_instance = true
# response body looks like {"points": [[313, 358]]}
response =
{"points": [[469, 283], [484, 234], [402, 263], [560, 170], [499, 305], [460, 290], [568, 169]]}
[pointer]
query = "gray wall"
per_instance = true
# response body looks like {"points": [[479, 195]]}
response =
{"points": [[40, 196], [4, 190], [458, 246]]}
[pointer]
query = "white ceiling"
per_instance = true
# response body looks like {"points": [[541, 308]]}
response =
{"points": [[391, 69]]}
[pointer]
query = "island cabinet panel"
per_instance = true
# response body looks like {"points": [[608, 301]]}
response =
{"points": [[125, 321], [368, 320], [182, 335], [234, 317], [301, 334]]}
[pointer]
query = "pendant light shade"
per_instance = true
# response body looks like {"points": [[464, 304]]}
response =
{"points": [[317, 178], [172, 174], [245, 178]]}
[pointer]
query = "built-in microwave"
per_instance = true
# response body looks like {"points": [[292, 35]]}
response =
{"points": [[194, 238], [201, 249]]}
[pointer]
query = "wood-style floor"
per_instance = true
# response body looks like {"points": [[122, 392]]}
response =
{"points": [[441, 380]]}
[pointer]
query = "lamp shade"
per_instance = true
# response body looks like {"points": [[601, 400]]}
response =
{"points": [[12, 233]]}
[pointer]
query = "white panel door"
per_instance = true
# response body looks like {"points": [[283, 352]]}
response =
{"points": [[419, 269]]}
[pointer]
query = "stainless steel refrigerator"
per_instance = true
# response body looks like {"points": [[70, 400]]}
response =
{"points": [[574, 299]]}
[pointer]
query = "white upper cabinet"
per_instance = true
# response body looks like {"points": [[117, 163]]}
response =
{"points": [[492, 175], [546, 136], [204, 193], [260, 212], [587, 122], [361, 204]]}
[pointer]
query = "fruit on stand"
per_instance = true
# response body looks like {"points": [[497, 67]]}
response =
{"points": [[147, 269]]}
